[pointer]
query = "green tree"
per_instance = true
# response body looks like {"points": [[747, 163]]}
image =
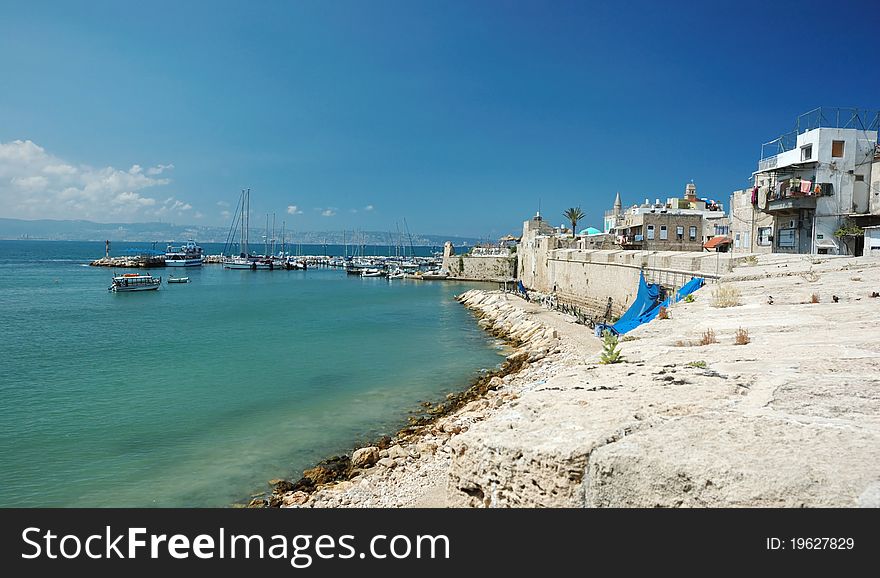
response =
{"points": [[849, 231], [574, 215]]}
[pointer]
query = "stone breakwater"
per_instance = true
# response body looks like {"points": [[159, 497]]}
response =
{"points": [[789, 416]]}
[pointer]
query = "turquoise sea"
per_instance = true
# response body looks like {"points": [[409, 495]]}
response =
{"points": [[197, 394]]}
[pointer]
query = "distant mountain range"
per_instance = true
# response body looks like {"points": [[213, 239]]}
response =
{"points": [[47, 229]]}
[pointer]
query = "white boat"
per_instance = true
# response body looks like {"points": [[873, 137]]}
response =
{"points": [[427, 276], [178, 279], [372, 273], [134, 282], [396, 274], [189, 255]]}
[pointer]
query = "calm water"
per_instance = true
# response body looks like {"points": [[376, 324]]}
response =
{"points": [[197, 394]]}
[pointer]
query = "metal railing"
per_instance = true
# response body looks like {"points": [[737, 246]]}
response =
{"points": [[821, 117]]}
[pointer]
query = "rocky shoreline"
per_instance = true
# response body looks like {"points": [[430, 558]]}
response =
{"points": [[420, 451], [770, 402]]}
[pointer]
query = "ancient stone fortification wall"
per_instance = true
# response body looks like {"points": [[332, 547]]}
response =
{"points": [[589, 277], [480, 268]]}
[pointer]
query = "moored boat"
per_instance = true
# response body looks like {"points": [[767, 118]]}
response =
{"points": [[178, 279], [134, 282], [189, 255]]}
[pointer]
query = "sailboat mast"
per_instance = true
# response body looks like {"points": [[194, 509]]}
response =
{"points": [[247, 225], [242, 241], [411, 248]]}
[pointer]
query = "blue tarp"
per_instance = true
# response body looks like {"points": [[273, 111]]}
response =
{"points": [[522, 290], [646, 306]]}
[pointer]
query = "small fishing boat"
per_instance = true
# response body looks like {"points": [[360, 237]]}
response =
{"points": [[134, 282], [178, 279], [396, 274], [372, 273]]}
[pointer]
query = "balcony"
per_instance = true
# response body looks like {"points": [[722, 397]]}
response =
{"points": [[790, 197], [791, 203]]}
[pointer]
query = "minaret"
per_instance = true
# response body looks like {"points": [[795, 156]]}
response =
{"points": [[618, 206]]}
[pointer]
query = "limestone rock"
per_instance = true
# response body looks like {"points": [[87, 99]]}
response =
{"points": [[365, 457], [294, 499], [396, 451], [387, 463]]}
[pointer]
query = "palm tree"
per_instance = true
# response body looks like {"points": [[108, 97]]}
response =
{"points": [[574, 215]]}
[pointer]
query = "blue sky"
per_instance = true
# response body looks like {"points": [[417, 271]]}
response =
{"points": [[458, 116]]}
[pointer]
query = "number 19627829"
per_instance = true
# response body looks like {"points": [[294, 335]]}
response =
{"points": [[824, 543]]}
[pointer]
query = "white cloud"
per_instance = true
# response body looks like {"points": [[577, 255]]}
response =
{"points": [[328, 213], [368, 208], [198, 215], [222, 204], [159, 169], [225, 214], [352, 210], [293, 210], [36, 184]]}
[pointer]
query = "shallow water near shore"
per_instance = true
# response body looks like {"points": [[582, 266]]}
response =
{"points": [[197, 394]]}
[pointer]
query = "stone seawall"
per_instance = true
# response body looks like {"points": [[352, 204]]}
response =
{"points": [[480, 268], [587, 278]]}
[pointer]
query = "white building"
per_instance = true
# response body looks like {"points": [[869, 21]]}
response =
{"points": [[816, 178], [872, 241]]}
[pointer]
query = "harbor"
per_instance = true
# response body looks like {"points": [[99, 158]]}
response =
{"points": [[173, 397]]}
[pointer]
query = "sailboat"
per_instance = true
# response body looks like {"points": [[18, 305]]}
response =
{"points": [[244, 260]]}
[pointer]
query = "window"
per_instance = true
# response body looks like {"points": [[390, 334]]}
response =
{"points": [[860, 178], [806, 152], [663, 233], [693, 233], [837, 148], [650, 232], [785, 238], [736, 241], [764, 236], [679, 232]]}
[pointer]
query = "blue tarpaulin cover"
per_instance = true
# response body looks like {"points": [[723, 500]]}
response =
{"points": [[647, 305]]}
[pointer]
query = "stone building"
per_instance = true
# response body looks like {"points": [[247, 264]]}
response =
{"points": [[660, 230], [750, 229]]}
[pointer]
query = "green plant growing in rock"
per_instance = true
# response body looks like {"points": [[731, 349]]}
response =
{"points": [[698, 364], [690, 298], [751, 260], [610, 352]]}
